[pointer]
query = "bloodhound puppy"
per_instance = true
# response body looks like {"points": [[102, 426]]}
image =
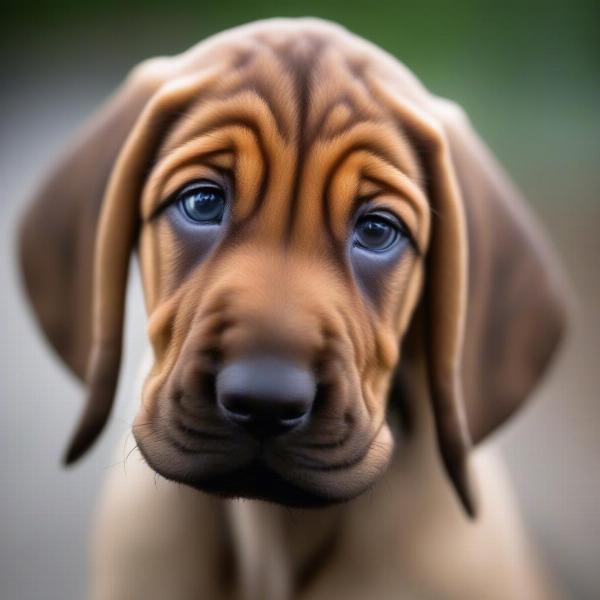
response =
{"points": [[344, 295]]}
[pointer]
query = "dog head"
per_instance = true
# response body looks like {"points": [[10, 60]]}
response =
{"points": [[299, 203]]}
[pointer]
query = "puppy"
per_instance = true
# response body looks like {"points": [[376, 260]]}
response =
{"points": [[344, 294]]}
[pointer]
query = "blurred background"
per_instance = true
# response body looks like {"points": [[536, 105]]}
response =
{"points": [[527, 73]]}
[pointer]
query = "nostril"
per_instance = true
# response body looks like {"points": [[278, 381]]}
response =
{"points": [[293, 412], [236, 404], [261, 407], [266, 395]]}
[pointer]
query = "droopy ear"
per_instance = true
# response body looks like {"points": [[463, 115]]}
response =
{"points": [[494, 297], [77, 237], [517, 296], [58, 230]]}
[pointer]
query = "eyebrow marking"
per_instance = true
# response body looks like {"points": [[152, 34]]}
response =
{"points": [[246, 107], [205, 158], [263, 93], [326, 193], [260, 196], [369, 147], [332, 122], [246, 110], [293, 98]]}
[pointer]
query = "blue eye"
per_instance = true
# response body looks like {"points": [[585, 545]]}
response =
{"points": [[202, 202], [377, 233]]}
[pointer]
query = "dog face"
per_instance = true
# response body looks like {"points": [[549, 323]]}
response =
{"points": [[287, 230], [295, 194]]}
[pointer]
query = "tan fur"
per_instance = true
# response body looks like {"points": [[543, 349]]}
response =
{"points": [[301, 121]]}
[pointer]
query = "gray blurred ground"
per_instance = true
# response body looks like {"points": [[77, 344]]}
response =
{"points": [[553, 448]]}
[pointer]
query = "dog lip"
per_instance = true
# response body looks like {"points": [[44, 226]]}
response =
{"points": [[184, 448], [263, 474], [252, 480], [258, 481], [330, 445], [197, 434], [306, 463]]}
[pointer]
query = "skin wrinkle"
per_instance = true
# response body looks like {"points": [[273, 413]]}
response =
{"points": [[352, 149], [361, 167], [266, 144], [300, 67], [272, 95], [274, 281], [175, 138], [172, 319], [336, 87], [306, 260], [344, 151], [233, 138], [246, 109]]}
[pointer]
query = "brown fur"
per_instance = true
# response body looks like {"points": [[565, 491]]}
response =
{"points": [[301, 120]]}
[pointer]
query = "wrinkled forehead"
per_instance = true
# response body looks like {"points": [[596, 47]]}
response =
{"points": [[311, 84], [297, 120]]}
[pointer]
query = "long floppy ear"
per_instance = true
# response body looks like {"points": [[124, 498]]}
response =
{"points": [[445, 298], [59, 237], [494, 295], [517, 296], [58, 229], [513, 301], [77, 237]]}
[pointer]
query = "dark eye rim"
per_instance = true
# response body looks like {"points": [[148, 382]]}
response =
{"points": [[180, 196], [176, 197], [389, 218]]}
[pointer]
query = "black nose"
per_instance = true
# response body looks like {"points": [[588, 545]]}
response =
{"points": [[265, 395]]}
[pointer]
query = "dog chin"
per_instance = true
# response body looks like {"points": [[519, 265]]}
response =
{"points": [[258, 481], [269, 476]]}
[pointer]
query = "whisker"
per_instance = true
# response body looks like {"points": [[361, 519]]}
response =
{"points": [[128, 455]]}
